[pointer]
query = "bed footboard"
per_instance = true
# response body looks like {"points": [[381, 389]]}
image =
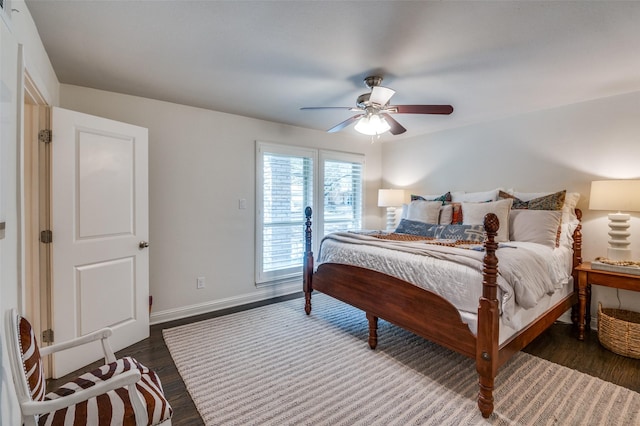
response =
{"points": [[415, 309]]}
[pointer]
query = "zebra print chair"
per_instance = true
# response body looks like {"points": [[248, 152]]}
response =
{"points": [[121, 392]]}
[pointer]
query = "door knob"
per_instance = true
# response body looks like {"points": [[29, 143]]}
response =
{"points": [[143, 244]]}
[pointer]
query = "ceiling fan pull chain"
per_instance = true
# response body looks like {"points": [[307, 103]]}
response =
{"points": [[375, 137]]}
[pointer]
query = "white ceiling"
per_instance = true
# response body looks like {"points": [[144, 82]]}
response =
{"points": [[267, 59]]}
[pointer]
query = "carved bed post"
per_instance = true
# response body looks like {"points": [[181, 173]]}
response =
{"points": [[488, 315], [577, 241], [307, 262], [577, 260]]}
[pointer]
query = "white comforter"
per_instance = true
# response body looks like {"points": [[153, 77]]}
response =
{"points": [[526, 271]]}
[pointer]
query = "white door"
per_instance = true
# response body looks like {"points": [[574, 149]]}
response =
{"points": [[99, 208]]}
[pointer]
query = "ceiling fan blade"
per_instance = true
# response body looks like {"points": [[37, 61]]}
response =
{"points": [[396, 128], [347, 108], [381, 95], [421, 109], [345, 123]]}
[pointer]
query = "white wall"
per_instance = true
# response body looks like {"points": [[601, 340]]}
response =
{"points": [[201, 163], [9, 270], [22, 50], [550, 150]]}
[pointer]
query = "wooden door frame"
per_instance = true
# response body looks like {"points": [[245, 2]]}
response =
{"points": [[37, 203]]}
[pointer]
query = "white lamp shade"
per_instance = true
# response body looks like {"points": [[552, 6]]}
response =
{"points": [[623, 196], [620, 195], [390, 197]]}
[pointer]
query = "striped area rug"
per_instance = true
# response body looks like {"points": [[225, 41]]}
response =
{"points": [[274, 365]]}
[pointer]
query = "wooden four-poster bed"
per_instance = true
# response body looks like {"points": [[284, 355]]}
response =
{"points": [[429, 315]]}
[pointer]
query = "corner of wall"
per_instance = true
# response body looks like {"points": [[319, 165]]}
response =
{"points": [[34, 56]]}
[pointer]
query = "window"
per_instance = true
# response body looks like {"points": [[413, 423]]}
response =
{"points": [[289, 179], [341, 175]]}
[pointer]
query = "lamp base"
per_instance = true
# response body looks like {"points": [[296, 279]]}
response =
{"points": [[391, 219], [618, 234], [618, 254]]}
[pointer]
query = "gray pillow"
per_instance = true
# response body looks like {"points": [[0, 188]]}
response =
{"points": [[414, 227], [535, 226], [442, 232], [460, 232]]}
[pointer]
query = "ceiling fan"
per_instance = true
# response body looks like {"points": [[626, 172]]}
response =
{"points": [[374, 110]]}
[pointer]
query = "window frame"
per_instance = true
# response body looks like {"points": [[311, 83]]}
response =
{"points": [[274, 277], [318, 157]]}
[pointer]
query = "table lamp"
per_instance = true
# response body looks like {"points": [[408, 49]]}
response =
{"points": [[623, 196], [390, 198]]}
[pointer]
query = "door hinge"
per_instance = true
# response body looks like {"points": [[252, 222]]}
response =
{"points": [[46, 236], [47, 336], [44, 136]]}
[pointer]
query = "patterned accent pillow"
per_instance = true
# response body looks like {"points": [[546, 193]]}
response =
{"points": [[553, 201], [442, 198], [459, 232], [442, 232], [414, 227]]}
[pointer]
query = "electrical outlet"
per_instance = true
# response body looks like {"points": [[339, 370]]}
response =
{"points": [[200, 282]]}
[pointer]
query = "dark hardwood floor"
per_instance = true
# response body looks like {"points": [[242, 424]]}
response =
{"points": [[558, 344]]}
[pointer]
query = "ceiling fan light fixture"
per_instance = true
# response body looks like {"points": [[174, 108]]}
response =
{"points": [[374, 113], [372, 125]]}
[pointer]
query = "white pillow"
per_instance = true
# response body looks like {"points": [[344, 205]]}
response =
{"points": [[569, 219], [535, 226], [424, 211], [479, 197], [446, 214], [566, 235], [474, 213], [569, 208]]}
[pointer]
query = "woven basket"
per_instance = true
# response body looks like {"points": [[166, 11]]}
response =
{"points": [[619, 331]]}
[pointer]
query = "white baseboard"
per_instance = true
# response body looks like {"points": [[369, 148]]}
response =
{"points": [[263, 293], [566, 318]]}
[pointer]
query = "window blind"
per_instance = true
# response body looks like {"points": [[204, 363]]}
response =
{"points": [[342, 195], [288, 189], [288, 179]]}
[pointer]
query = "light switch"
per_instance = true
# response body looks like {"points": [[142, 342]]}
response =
{"points": [[242, 203]]}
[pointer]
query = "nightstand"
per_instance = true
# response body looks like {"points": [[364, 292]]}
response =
{"points": [[588, 277]]}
